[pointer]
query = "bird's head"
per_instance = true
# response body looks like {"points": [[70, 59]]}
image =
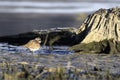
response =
{"points": [[38, 39]]}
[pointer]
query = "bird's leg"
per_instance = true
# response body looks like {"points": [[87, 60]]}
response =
{"points": [[32, 53]]}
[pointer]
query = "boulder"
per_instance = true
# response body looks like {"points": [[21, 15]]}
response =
{"points": [[100, 32]]}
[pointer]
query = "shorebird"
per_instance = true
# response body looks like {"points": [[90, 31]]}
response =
{"points": [[33, 45]]}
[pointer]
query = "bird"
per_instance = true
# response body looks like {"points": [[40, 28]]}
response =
{"points": [[33, 45]]}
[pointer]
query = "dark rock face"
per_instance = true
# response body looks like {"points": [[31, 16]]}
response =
{"points": [[100, 32], [55, 36]]}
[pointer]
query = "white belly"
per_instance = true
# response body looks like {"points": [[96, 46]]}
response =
{"points": [[34, 49]]}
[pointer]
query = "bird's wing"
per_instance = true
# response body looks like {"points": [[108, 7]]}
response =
{"points": [[29, 44]]}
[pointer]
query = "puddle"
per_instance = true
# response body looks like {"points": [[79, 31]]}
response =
{"points": [[4, 47]]}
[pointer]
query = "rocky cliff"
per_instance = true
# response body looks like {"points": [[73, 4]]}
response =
{"points": [[100, 32]]}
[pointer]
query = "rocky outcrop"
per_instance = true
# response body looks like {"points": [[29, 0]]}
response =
{"points": [[53, 36], [100, 32]]}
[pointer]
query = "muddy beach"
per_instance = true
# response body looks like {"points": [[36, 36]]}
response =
{"points": [[75, 66]]}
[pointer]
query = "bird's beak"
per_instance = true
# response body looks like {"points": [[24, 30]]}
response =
{"points": [[40, 41]]}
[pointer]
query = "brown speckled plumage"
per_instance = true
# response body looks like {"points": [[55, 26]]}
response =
{"points": [[33, 45]]}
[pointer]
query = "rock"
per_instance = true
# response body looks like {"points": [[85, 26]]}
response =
{"points": [[53, 36], [100, 32]]}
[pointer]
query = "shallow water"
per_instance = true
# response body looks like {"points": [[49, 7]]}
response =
{"points": [[4, 47]]}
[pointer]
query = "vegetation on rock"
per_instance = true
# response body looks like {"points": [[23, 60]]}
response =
{"points": [[105, 46]]}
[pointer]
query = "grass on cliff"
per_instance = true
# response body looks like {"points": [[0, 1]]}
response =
{"points": [[105, 46]]}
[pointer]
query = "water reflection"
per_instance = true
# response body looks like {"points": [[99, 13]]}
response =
{"points": [[6, 48]]}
